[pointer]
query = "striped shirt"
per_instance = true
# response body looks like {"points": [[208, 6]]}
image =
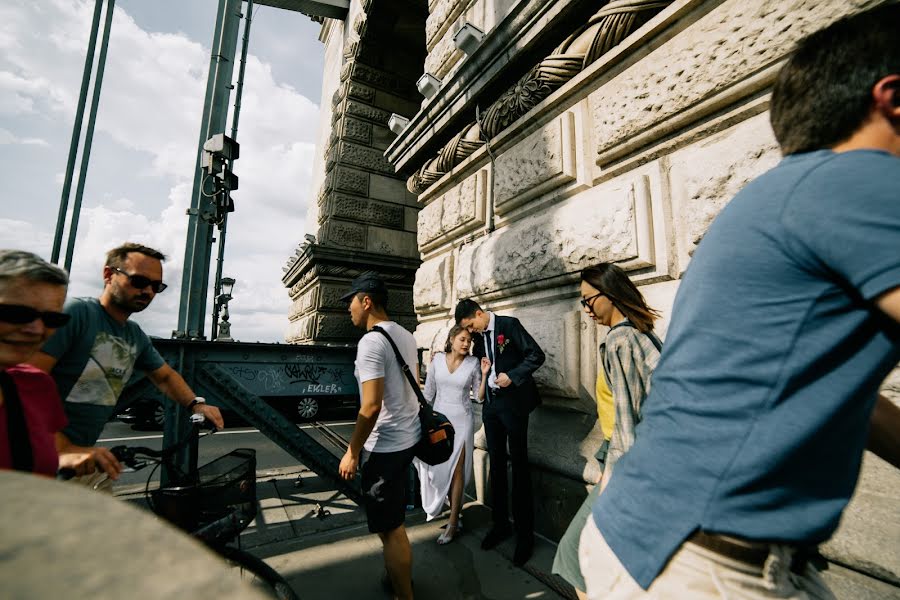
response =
{"points": [[629, 358]]}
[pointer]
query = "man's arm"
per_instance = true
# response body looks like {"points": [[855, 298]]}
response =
{"points": [[889, 303], [85, 460], [884, 435], [175, 387], [370, 406], [533, 356]]}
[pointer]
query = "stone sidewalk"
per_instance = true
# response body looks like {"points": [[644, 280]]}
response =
{"points": [[318, 540]]}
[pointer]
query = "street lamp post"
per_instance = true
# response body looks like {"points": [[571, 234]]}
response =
{"points": [[224, 327]]}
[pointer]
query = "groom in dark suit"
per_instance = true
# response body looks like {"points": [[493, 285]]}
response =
{"points": [[511, 395]]}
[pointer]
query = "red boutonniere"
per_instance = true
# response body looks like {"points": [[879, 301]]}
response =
{"points": [[501, 343]]}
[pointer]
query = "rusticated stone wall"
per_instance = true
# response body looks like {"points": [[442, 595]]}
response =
{"points": [[365, 218], [615, 148]]}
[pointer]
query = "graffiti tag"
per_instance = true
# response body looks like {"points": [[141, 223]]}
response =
{"points": [[321, 388], [298, 372]]}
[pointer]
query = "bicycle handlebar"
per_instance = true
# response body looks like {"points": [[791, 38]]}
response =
{"points": [[127, 455]]}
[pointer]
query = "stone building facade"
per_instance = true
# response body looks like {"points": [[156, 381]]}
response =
{"points": [[576, 132]]}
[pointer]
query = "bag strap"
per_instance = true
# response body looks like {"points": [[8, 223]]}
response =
{"points": [[655, 341], [404, 367], [16, 427]]}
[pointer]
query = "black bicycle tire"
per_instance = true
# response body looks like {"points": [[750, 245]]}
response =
{"points": [[280, 588]]}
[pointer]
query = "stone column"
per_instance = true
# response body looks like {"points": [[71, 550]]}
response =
{"points": [[366, 216]]}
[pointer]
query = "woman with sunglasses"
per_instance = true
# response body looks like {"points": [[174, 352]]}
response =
{"points": [[32, 293], [628, 356]]}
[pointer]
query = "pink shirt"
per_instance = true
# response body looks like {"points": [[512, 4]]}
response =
{"points": [[44, 416]]}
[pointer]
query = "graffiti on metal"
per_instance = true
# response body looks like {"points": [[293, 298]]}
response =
{"points": [[298, 373], [293, 378]]}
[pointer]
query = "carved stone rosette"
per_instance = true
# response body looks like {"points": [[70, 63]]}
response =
{"points": [[604, 30]]}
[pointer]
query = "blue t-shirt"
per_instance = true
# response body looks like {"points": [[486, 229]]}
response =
{"points": [[760, 406], [96, 356]]}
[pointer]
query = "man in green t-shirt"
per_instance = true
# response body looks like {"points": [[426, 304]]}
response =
{"points": [[93, 358]]}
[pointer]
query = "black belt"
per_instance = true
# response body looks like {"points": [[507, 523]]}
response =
{"points": [[748, 552]]}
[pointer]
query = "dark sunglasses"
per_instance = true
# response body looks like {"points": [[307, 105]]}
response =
{"points": [[139, 282], [586, 302], [18, 314]]}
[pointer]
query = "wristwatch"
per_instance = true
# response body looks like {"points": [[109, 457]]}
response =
{"points": [[195, 402]]}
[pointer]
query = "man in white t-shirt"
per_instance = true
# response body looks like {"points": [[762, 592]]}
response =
{"points": [[387, 427]]}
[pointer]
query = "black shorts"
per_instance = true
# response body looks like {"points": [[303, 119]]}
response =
{"points": [[385, 476]]}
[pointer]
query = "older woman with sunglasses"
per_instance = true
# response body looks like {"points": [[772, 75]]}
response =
{"points": [[628, 356], [32, 292]]}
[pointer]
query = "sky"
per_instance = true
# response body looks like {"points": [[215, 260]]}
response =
{"points": [[141, 167]]}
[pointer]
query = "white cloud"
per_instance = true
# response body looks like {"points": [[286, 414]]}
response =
{"points": [[152, 101], [24, 235], [8, 137]]}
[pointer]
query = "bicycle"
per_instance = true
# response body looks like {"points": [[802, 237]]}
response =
{"points": [[214, 504]]}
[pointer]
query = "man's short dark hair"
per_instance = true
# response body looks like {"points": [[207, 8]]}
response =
{"points": [[466, 309], [378, 299], [824, 92], [116, 257]]}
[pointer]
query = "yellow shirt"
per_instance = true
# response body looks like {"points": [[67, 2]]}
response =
{"points": [[606, 411]]}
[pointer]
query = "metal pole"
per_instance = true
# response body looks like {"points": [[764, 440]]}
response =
{"points": [[223, 228], [217, 284], [198, 248], [198, 244], [76, 134], [89, 136]]}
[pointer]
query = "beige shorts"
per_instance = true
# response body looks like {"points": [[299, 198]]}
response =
{"points": [[697, 573]]}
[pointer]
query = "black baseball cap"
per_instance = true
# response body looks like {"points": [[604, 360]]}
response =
{"points": [[367, 283]]}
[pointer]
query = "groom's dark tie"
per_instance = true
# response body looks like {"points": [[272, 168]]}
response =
{"points": [[489, 348]]}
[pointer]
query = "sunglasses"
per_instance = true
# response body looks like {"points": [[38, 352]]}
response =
{"points": [[139, 282], [18, 314], [586, 302]]}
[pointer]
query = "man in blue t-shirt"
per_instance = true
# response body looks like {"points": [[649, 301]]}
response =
{"points": [[785, 325], [93, 358]]}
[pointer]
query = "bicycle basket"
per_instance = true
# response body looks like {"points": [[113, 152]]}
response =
{"points": [[225, 485]]}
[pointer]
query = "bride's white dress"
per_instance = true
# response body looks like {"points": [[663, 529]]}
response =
{"points": [[449, 394]]}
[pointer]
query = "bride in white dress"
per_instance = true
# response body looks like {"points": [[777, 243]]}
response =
{"points": [[452, 375]]}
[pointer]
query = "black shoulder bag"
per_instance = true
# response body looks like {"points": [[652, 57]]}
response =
{"points": [[436, 444]]}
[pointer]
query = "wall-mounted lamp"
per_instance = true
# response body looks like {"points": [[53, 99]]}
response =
{"points": [[428, 85], [468, 38], [397, 123]]}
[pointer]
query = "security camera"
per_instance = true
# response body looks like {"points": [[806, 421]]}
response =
{"points": [[428, 85], [468, 38], [397, 123]]}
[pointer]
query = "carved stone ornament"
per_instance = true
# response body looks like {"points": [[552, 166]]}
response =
{"points": [[604, 30]]}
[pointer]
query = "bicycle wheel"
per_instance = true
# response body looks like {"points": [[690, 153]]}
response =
{"points": [[261, 574]]}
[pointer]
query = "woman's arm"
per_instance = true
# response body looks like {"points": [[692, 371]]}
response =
{"points": [[480, 377], [430, 383]]}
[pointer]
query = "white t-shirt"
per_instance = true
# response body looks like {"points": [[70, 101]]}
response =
{"points": [[397, 427]]}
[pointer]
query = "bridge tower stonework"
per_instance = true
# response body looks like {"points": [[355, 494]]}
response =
{"points": [[364, 216]]}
